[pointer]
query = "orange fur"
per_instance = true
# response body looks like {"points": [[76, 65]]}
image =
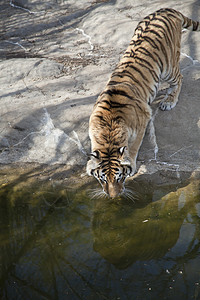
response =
{"points": [[122, 111]]}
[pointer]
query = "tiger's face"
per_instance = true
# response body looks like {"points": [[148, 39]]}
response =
{"points": [[111, 170]]}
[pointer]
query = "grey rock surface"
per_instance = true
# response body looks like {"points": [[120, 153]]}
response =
{"points": [[56, 57]]}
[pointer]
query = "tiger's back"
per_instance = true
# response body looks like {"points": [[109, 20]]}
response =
{"points": [[122, 112]]}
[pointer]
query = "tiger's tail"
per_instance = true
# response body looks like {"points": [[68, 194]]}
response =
{"points": [[189, 24]]}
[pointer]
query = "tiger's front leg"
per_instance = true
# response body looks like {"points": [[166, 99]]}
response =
{"points": [[133, 149]]}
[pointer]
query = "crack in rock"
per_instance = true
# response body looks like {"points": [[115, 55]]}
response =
{"points": [[152, 134], [17, 44], [88, 37], [20, 7], [194, 61], [153, 140]]}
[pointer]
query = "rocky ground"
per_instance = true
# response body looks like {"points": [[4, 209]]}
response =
{"points": [[56, 57]]}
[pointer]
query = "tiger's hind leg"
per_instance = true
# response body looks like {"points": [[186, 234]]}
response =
{"points": [[171, 97]]}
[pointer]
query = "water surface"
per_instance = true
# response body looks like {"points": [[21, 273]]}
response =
{"points": [[59, 243]]}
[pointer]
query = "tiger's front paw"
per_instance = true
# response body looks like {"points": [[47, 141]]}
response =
{"points": [[166, 105]]}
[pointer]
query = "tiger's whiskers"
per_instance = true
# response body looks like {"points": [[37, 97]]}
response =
{"points": [[97, 193], [129, 194]]}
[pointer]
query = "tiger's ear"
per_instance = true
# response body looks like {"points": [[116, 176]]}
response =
{"points": [[125, 161], [93, 163], [95, 154], [122, 149]]}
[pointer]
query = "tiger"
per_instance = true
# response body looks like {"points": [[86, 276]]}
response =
{"points": [[122, 111]]}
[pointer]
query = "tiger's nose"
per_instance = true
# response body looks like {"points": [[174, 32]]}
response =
{"points": [[112, 192], [113, 195]]}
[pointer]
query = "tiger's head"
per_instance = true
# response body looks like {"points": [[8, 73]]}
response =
{"points": [[111, 168]]}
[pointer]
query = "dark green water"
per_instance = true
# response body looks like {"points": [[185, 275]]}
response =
{"points": [[56, 243]]}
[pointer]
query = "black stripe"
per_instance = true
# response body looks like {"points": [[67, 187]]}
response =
{"points": [[111, 151], [125, 84], [150, 41], [154, 32], [152, 16], [165, 20], [147, 18], [146, 23], [195, 25], [103, 122], [113, 82], [104, 170], [134, 68], [117, 92], [139, 106], [140, 72], [126, 63], [160, 39], [123, 93], [105, 163], [151, 56], [123, 74], [161, 10], [105, 108], [99, 141], [133, 42], [132, 53], [165, 54], [120, 111], [105, 101], [140, 28], [137, 82], [115, 104], [171, 15], [172, 27], [100, 117], [167, 38], [116, 169], [129, 54], [145, 61], [105, 153], [105, 137], [151, 71], [159, 27], [108, 92], [138, 42], [186, 25], [118, 119], [114, 161]]}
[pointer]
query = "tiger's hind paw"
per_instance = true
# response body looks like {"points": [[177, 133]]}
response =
{"points": [[168, 102], [165, 105]]}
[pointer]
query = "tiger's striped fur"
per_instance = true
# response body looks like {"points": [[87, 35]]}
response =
{"points": [[122, 111]]}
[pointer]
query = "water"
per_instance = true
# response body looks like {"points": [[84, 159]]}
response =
{"points": [[58, 243]]}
